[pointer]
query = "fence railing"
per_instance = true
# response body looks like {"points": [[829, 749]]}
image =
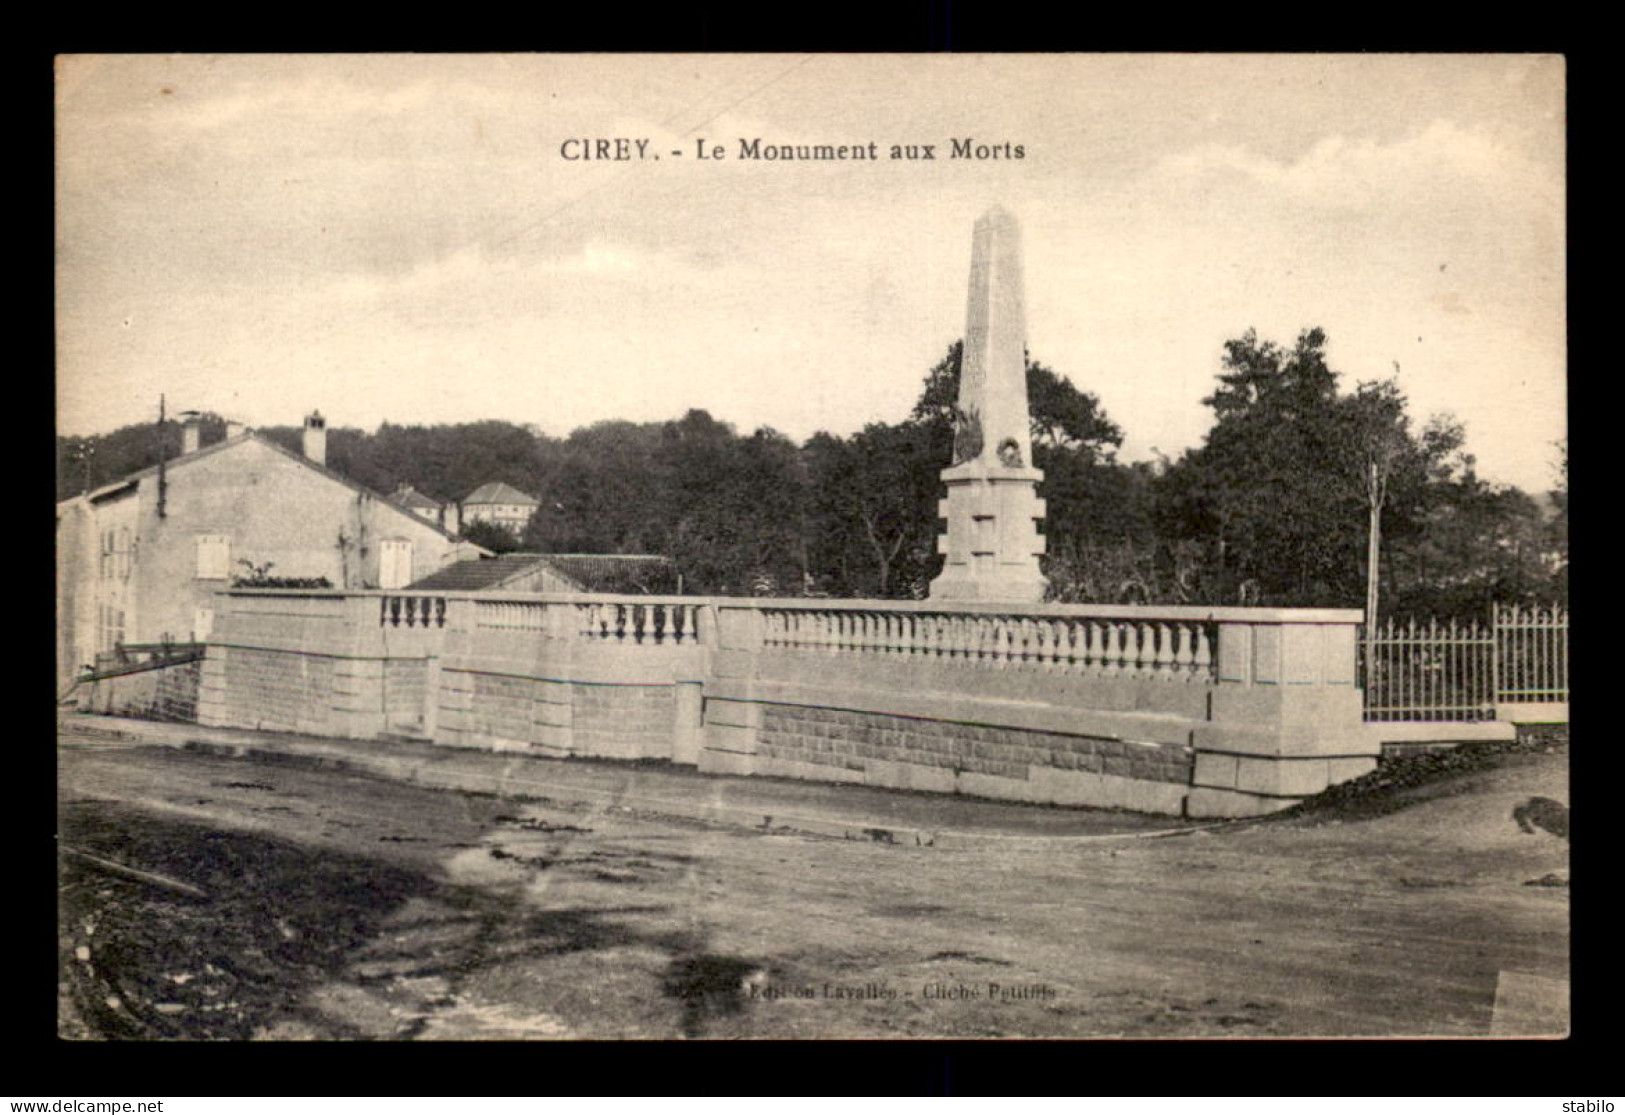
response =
{"points": [[1105, 647], [1461, 671], [1532, 654], [659, 622]]}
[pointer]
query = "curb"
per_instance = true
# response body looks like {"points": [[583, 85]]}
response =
{"points": [[504, 784]]}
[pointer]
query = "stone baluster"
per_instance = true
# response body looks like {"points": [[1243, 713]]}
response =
{"points": [[1052, 632], [1128, 662], [1184, 657], [1007, 642], [1142, 654], [1204, 656], [1163, 666], [1111, 651]]}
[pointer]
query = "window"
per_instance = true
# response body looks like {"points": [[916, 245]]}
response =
{"points": [[213, 557], [395, 563]]}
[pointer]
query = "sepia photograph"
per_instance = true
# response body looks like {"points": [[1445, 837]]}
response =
{"points": [[811, 546]]}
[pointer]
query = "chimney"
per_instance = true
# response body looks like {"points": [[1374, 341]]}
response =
{"points": [[191, 431], [316, 438]]}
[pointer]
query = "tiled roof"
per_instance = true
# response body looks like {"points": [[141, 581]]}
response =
{"points": [[589, 572], [480, 573], [498, 492], [409, 497]]}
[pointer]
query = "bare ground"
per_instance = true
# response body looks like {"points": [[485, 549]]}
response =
{"points": [[345, 907]]}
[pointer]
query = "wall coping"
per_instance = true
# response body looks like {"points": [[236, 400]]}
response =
{"points": [[1187, 613]]}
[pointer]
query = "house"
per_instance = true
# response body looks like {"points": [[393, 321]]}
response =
{"points": [[500, 504], [416, 502], [140, 559], [427, 508], [621, 573]]}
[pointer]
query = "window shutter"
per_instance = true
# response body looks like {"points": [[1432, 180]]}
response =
{"points": [[213, 557]]}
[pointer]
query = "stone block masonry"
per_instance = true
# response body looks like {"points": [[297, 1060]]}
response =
{"points": [[623, 721], [1206, 712], [279, 691], [986, 760]]}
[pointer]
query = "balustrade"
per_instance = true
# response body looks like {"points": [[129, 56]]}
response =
{"points": [[1161, 649], [639, 623], [411, 611], [511, 615]]}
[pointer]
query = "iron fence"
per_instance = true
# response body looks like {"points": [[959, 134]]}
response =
{"points": [[1425, 670]]}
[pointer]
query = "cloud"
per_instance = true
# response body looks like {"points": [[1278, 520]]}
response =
{"points": [[1338, 172]]}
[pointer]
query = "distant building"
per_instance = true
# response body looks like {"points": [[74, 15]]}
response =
{"points": [[500, 504], [139, 560], [619, 573], [416, 502]]}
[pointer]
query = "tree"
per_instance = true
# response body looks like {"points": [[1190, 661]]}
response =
{"points": [[493, 536], [738, 508], [87, 462], [873, 499], [1268, 493]]}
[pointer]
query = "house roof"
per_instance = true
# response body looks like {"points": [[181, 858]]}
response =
{"points": [[498, 492], [587, 572], [189, 459], [409, 497]]}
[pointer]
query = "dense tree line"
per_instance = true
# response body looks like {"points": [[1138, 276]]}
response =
{"points": [[1274, 507]]}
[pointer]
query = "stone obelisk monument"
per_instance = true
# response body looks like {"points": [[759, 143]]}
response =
{"points": [[992, 543]]}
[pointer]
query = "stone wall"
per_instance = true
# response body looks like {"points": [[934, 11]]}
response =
{"points": [[977, 759], [277, 690], [1205, 712]]}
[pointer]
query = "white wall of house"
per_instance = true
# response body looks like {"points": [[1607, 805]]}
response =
{"points": [[245, 502]]}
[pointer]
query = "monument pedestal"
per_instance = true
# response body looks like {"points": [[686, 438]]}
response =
{"points": [[992, 542]]}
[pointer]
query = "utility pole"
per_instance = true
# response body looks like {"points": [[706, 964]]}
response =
{"points": [[1373, 546], [1381, 452], [163, 481]]}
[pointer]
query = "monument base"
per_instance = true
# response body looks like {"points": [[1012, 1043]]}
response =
{"points": [[992, 542], [1012, 586]]}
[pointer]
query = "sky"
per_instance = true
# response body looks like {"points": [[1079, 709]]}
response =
{"points": [[405, 238]]}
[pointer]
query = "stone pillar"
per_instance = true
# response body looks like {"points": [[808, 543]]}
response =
{"points": [[992, 544], [1285, 717]]}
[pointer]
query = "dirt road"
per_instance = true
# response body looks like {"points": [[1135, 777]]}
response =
{"points": [[344, 907]]}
